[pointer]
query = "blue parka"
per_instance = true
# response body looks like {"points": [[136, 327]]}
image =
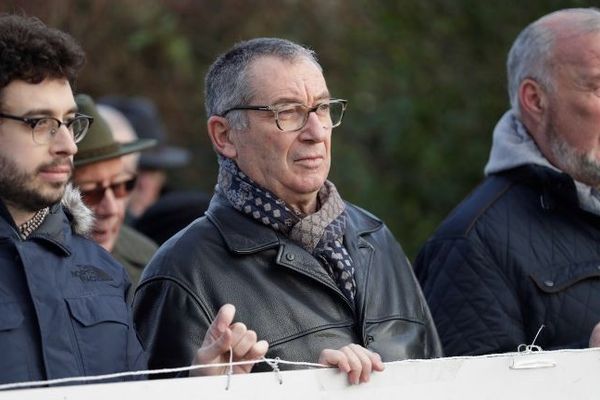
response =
{"points": [[62, 302]]}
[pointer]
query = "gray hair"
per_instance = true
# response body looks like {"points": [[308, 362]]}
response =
{"points": [[532, 53], [227, 83]]}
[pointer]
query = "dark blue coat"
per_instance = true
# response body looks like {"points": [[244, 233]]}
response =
{"points": [[517, 254], [62, 305]]}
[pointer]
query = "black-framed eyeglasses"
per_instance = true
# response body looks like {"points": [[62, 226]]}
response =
{"points": [[292, 117], [120, 189], [43, 129]]}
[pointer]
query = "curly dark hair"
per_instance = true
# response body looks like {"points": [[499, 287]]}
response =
{"points": [[31, 51]]}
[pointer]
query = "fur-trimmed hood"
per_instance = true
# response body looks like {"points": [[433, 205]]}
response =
{"points": [[82, 218]]}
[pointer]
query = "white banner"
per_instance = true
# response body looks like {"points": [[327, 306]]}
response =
{"points": [[564, 375]]}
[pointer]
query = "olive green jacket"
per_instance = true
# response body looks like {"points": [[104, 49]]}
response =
{"points": [[133, 250]]}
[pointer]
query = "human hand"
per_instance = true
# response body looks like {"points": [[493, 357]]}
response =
{"points": [[595, 336], [220, 336], [354, 360]]}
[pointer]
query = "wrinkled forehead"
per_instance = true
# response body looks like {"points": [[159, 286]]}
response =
{"points": [[577, 57], [274, 79], [571, 32]]}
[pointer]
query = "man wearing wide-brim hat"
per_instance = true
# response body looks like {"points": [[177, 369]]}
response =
{"points": [[145, 119], [105, 184]]}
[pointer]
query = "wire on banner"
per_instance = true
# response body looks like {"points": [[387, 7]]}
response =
{"points": [[275, 367], [519, 362], [273, 362], [230, 369]]}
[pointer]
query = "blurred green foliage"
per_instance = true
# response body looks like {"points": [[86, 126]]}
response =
{"points": [[425, 82]]}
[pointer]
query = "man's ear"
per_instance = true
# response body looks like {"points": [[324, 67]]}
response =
{"points": [[219, 132], [532, 100]]}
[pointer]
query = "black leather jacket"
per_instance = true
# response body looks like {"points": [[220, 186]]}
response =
{"points": [[280, 291]]}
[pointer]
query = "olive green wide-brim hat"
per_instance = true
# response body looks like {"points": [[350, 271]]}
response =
{"points": [[99, 143]]}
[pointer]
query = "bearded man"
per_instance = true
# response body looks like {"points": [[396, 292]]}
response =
{"points": [[522, 252], [62, 296]]}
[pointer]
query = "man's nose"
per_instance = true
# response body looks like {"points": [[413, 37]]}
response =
{"points": [[315, 129], [108, 205], [63, 142]]}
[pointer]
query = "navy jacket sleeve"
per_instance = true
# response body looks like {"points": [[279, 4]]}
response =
{"points": [[473, 303]]}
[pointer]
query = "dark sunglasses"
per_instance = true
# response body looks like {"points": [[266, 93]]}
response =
{"points": [[119, 189]]}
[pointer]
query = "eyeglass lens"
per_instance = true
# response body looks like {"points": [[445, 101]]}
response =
{"points": [[46, 128], [294, 116], [119, 189]]}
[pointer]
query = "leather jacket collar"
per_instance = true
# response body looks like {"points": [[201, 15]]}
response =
{"points": [[244, 236]]}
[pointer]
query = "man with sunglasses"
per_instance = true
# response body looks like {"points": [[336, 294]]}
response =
{"points": [[320, 279], [62, 296], [105, 182]]}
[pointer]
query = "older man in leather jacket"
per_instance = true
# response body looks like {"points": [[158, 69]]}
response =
{"points": [[318, 278]]}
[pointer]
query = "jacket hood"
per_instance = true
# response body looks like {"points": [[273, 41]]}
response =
{"points": [[512, 147], [82, 218]]}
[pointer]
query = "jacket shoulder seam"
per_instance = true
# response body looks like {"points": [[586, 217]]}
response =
{"points": [[465, 216], [178, 282]]}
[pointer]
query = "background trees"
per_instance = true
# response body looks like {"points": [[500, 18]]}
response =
{"points": [[425, 82]]}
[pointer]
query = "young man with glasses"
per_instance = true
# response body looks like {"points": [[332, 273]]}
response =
{"points": [[62, 297], [318, 278]]}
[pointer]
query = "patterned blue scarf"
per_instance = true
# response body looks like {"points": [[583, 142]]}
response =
{"points": [[320, 233]]}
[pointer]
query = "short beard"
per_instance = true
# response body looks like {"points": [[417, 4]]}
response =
{"points": [[581, 166], [16, 187]]}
